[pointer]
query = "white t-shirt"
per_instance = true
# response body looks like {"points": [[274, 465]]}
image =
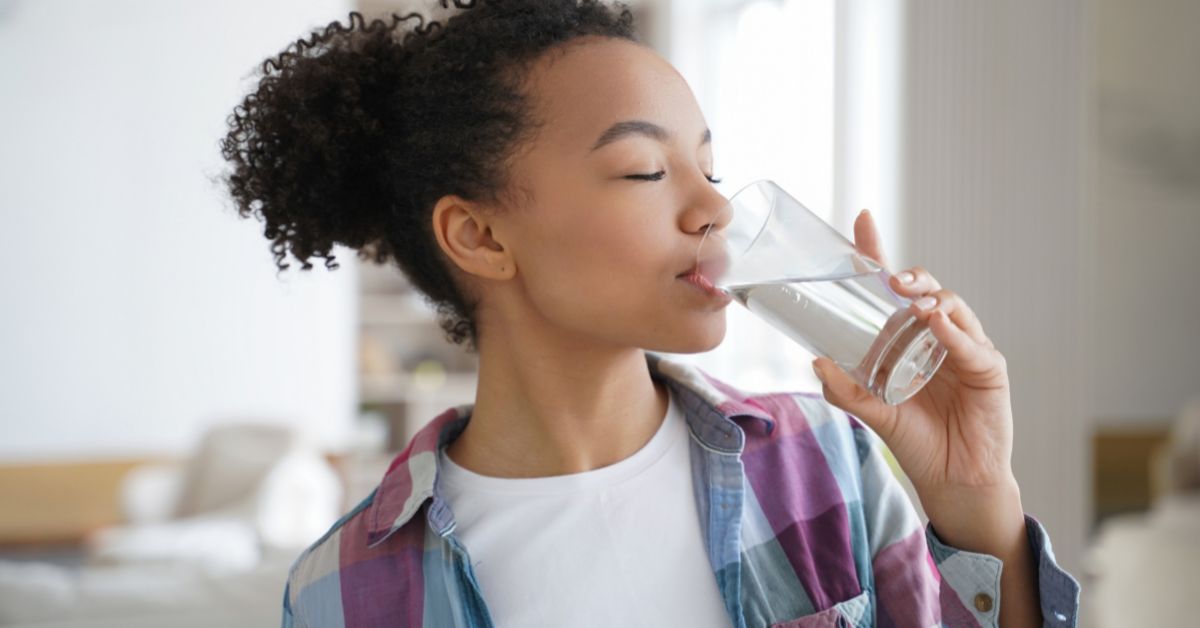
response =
{"points": [[615, 546]]}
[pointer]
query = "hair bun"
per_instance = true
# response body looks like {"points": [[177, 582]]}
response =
{"points": [[353, 134], [307, 143]]}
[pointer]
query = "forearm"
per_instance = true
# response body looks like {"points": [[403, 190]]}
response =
{"points": [[992, 522]]}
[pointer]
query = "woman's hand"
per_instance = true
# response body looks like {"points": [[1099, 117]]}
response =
{"points": [[957, 431], [953, 438]]}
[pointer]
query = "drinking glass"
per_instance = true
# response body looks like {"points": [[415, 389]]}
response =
{"points": [[796, 272]]}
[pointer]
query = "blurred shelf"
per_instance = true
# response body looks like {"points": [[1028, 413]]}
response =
{"points": [[407, 369], [387, 279], [401, 310], [402, 388]]}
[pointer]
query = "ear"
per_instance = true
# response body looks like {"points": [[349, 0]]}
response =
{"points": [[466, 236]]}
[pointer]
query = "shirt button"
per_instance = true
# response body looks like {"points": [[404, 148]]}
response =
{"points": [[983, 602]]}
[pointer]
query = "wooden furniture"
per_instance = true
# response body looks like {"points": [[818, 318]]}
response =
{"points": [[57, 503], [1123, 479]]}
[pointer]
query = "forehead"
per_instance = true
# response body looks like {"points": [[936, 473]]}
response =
{"points": [[579, 91]]}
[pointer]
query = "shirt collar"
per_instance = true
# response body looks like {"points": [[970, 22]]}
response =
{"points": [[709, 406]]}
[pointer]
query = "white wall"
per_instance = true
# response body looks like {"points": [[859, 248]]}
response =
{"points": [[1146, 301], [137, 307]]}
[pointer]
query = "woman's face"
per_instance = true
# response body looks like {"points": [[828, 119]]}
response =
{"points": [[618, 200]]}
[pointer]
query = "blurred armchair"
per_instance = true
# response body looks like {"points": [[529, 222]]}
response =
{"points": [[248, 489]]}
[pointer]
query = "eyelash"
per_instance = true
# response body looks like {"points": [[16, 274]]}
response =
{"points": [[657, 176]]}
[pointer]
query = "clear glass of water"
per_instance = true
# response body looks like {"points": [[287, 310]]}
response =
{"points": [[795, 271]]}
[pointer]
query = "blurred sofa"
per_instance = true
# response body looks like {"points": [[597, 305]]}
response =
{"points": [[206, 542]]}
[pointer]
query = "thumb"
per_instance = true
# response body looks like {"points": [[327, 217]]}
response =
{"points": [[842, 391]]}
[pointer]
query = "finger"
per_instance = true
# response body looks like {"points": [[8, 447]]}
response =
{"points": [[951, 304], [842, 391], [961, 349], [960, 313], [866, 238], [915, 281]]}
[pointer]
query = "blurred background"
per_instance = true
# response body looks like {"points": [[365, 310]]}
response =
{"points": [[177, 421]]}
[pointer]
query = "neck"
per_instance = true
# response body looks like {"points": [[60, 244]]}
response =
{"points": [[547, 407]]}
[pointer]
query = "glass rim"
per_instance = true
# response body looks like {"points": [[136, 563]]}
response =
{"points": [[757, 183]]}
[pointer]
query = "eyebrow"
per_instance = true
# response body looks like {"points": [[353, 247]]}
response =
{"points": [[627, 128]]}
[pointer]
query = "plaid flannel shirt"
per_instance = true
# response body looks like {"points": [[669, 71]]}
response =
{"points": [[804, 522]]}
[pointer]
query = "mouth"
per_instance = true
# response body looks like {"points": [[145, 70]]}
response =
{"points": [[698, 279], [698, 276]]}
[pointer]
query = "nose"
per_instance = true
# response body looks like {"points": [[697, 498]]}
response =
{"points": [[708, 209]]}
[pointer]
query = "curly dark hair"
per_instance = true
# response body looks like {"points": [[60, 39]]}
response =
{"points": [[353, 134]]}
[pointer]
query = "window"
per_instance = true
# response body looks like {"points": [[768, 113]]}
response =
{"points": [[763, 72]]}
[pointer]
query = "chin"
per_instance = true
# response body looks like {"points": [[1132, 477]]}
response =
{"points": [[705, 336]]}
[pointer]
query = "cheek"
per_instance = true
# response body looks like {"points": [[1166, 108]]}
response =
{"points": [[597, 270], [597, 246], [597, 263]]}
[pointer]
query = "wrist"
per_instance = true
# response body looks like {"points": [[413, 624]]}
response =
{"points": [[988, 520]]}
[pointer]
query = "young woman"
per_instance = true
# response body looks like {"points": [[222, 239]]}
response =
{"points": [[545, 179]]}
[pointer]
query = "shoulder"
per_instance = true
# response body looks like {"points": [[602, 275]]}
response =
{"points": [[801, 427], [314, 577], [379, 545], [332, 580], [813, 435], [799, 414], [791, 411]]}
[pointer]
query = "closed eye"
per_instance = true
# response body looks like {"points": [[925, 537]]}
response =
{"points": [[657, 176]]}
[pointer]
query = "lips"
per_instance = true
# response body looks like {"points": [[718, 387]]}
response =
{"points": [[699, 280], [700, 275], [706, 270]]}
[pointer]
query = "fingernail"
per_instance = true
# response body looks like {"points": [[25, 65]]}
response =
{"points": [[906, 277], [926, 303], [818, 371], [865, 211]]}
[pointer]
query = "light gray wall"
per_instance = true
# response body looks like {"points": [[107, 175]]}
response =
{"points": [[994, 205], [1146, 297], [137, 307]]}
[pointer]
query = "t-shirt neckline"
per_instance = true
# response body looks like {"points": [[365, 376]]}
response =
{"points": [[667, 435]]}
